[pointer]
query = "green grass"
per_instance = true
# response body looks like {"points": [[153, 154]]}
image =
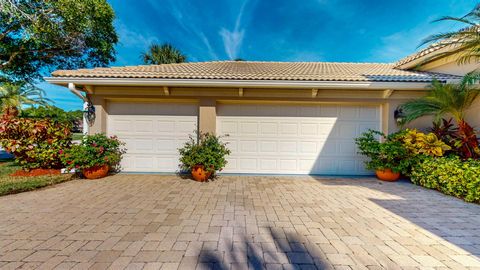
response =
{"points": [[77, 136], [17, 184]]}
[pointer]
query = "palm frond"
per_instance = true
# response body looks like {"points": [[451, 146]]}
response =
{"points": [[441, 100]]}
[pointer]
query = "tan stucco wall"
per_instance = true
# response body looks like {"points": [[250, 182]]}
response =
{"points": [[211, 97], [447, 65], [207, 115], [101, 114], [452, 68]]}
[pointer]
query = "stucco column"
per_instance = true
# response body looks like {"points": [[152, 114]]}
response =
{"points": [[100, 125], [386, 115], [207, 115]]}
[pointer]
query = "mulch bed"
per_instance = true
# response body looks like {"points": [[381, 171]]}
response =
{"points": [[36, 172]]}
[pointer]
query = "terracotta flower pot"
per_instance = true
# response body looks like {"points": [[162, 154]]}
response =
{"points": [[200, 174], [96, 172], [387, 175]]}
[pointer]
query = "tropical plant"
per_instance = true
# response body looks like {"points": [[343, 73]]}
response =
{"points": [[419, 143], [445, 130], [450, 175], [387, 154], [448, 99], [35, 143], [94, 150], [163, 54], [464, 42], [19, 94], [38, 36], [208, 150]]}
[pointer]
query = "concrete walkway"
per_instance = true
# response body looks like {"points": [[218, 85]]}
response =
{"points": [[237, 222]]}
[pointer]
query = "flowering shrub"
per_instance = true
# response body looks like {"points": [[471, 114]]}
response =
{"points": [[35, 143], [208, 151], [94, 150]]}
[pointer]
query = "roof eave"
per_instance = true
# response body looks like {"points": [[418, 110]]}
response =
{"points": [[411, 85]]}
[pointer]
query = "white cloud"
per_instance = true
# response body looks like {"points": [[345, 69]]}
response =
{"points": [[232, 39], [189, 26], [129, 38]]}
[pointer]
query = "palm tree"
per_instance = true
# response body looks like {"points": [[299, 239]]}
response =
{"points": [[465, 42], [163, 54], [448, 99], [18, 94]]}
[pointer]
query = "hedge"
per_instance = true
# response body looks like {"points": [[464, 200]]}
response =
{"points": [[450, 175]]}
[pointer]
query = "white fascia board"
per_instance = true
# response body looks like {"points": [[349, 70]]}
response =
{"points": [[239, 83]]}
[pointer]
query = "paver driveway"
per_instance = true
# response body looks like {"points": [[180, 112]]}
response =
{"points": [[165, 222]]}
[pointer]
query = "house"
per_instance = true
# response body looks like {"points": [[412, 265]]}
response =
{"points": [[281, 117]]}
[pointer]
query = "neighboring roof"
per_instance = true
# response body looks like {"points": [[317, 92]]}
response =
{"points": [[247, 70], [434, 50], [429, 51]]}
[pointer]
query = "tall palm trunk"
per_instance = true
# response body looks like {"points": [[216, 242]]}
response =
{"points": [[468, 140]]}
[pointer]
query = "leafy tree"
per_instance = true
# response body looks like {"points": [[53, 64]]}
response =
{"points": [[38, 36], [163, 54], [448, 99], [18, 94], [73, 119], [51, 112], [465, 42]]}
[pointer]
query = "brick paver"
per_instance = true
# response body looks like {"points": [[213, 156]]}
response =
{"points": [[237, 222]]}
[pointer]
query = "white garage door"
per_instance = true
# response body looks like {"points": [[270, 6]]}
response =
{"points": [[152, 132], [317, 139]]}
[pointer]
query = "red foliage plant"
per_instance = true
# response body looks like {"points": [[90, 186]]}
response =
{"points": [[463, 139], [35, 143]]}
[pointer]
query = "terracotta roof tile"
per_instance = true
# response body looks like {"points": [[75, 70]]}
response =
{"points": [[247, 70]]}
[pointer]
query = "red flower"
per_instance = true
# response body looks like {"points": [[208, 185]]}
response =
{"points": [[94, 144], [60, 152]]}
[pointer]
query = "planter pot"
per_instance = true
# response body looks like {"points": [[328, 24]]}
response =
{"points": [[387, 175], [96, 172], [200, 174]]}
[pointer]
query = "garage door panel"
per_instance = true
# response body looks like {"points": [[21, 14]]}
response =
{"points": [[268, 147], [248, 128], [268, 164], [268, 128], [165, 126], [368, 113], [152, 134], [287, 146], [303, 139]]}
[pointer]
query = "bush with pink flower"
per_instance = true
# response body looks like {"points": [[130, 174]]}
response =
{"points": [[94, 150]]}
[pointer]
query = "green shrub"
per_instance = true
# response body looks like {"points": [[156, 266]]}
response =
{"points": [[94, 150], [386, 154], [208, 151], [35, 143], [450, 175]]}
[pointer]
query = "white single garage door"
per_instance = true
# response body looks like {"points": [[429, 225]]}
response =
{"points": [[152, 132], [310, 139]]}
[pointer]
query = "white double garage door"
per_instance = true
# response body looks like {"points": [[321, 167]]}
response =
{"points": [[270, 139]]}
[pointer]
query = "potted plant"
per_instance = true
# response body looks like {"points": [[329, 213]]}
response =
{"points": [[95, 156], [388, 157], [204, 156]]}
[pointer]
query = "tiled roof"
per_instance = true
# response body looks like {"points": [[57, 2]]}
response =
{"points": [[425, 52], [247, 70], [433, 50]]}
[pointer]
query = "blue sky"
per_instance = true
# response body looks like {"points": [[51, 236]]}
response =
{"points": [[281, 30]]}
